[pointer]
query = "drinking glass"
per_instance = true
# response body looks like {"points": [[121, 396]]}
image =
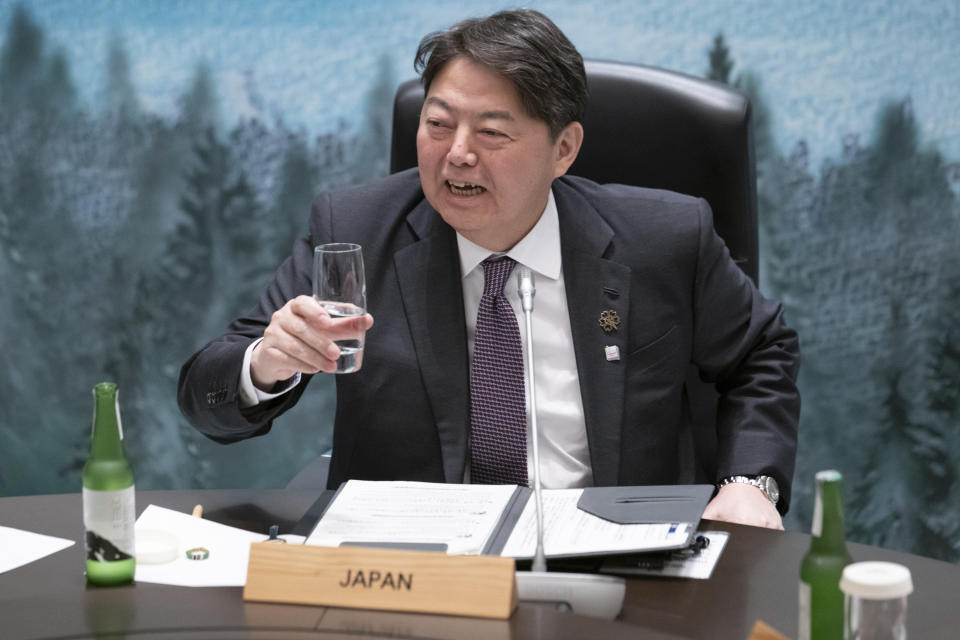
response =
{"points": [[875, 600], [339, 287]]}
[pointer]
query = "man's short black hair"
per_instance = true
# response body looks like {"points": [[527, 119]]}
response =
{"points": [[526, 48]]}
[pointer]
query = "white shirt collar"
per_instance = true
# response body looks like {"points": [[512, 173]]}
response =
{"points": [[539, 249]]}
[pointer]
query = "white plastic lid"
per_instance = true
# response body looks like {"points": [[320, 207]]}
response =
{"points": [[156, 547], [876, 580]]}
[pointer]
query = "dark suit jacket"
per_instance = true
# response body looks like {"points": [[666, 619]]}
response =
{"points": [[652, 256]]}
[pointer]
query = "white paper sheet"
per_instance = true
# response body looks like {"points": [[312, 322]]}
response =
{"points": [[229, 550], [19, 547], [460, 516], [569, 531], [680, 565]]}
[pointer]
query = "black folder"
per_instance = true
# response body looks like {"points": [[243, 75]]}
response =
{"points": [[681, 504]]}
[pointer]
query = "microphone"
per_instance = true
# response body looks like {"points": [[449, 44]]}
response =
{"points": [[582, 593], [527, 291]]}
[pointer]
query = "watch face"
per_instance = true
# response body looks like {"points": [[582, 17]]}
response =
{"points": [[771, 488]]}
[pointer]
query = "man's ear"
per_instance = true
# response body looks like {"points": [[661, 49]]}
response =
{"points": [[566, 148]]}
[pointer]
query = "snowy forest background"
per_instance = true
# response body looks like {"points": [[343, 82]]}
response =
{"points": [[131, 234]]}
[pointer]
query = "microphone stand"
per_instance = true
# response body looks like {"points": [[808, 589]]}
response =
{"points": [[582, 593], [527, 291]]}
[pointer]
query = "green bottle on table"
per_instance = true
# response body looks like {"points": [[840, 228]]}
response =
{"points": [[821, 601], [109, 513]]}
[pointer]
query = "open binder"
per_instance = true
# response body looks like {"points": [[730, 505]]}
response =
{"points": [[498, 519]]}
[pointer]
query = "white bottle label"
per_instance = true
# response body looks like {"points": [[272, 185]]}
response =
{"points": [[108, 517], [803, 630]]}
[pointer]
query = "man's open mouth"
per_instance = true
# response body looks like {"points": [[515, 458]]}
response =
{"points": [[464, 188]]}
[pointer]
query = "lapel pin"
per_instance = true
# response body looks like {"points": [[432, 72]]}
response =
{"points": [[609, 320], [613, 353]]}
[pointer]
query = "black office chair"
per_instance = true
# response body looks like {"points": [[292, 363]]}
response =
{"points": [[654, 128]]}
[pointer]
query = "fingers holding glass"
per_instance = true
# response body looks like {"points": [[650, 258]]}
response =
{"points": [[340, 289]]}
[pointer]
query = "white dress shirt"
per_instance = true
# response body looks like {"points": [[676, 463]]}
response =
{"points": [[564, 454]]}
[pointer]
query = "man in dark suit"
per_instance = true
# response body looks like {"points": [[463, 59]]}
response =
{"points": [[632, 286]]}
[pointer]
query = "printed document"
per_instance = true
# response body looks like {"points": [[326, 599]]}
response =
{"points": [[478, 519], [461, 516]]}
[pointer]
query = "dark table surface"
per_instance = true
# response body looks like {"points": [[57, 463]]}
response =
{"points": [[755, 579]]}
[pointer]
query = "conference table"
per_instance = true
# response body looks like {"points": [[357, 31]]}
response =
{"points": [[756, 578]]}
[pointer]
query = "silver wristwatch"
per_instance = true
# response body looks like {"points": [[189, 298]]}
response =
{"points": [[765, 483]]}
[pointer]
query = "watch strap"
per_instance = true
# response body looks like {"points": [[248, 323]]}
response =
{"points": [[759, 482]]}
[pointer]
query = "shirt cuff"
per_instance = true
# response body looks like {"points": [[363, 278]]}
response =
{"points": [[249, 394]]}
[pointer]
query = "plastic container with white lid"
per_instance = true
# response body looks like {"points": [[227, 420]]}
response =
{"points": [[156, 547], [875, 602]]}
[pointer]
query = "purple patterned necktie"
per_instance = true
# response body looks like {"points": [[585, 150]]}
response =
{"points": [[498, 416]]}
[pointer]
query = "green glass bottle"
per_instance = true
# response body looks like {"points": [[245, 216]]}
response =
{"points": [[109, 512], [821, 601]]}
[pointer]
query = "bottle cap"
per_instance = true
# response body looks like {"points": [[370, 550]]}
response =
{"points": [[876, 580], [156, 547], [103, 388], [828, 475]]}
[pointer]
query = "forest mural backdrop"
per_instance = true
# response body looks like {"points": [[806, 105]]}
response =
{"points": [[158, 158]]}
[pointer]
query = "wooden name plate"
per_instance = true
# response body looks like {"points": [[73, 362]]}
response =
{"points": [[368, 578]]}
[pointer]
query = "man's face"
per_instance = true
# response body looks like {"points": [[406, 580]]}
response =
{"points": [[485, 165]]}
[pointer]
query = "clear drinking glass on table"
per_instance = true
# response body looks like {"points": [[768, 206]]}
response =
{"points": [[339, 287]]}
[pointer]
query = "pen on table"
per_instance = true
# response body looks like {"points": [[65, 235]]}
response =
{"points": [[198, 553]]}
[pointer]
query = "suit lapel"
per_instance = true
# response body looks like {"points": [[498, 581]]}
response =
{"points": [[594, 285], [432, 294]]}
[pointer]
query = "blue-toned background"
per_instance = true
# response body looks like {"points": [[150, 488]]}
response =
{"points": [[157, 159]]}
